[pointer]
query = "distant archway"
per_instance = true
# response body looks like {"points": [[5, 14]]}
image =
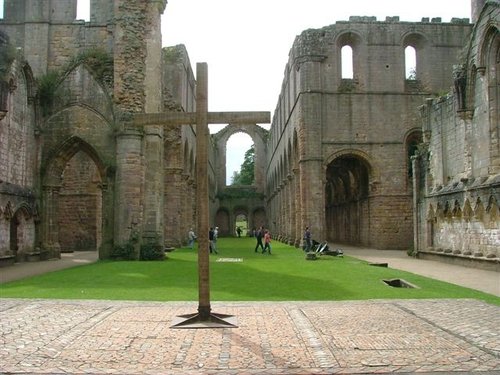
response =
{"points": [[241, 221]]}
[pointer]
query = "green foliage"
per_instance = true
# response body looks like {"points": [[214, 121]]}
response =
{"points": [[47, 86], [123, 252], [152, 252], [97, 61], [283, 276], [246, 174]]}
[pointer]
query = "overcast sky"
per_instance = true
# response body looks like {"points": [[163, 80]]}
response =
{"points": [[246, 42]]}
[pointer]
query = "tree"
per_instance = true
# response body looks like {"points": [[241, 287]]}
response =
{"points": [[246, 174]]}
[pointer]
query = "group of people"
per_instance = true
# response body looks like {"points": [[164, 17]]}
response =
{"points": [[262, 234], [213, 233]]}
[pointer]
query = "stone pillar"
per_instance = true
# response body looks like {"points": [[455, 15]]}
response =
{"points": [[129, 186], [50, 227], [291, 203], [108, 218], [286, 209], [476, 7], [153, 187], [137, 89], [174, 207], [298, 209]]}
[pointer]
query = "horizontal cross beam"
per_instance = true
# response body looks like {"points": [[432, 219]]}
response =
{"points": [[186, 118]]}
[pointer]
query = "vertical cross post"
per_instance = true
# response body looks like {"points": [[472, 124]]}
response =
{"points": [[204, 318]]}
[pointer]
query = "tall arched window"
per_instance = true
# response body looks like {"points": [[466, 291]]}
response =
{"points": [[347, 62], [236, 147], [410, 63]]}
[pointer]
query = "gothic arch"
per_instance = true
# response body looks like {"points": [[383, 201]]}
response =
{"points": [[259, 137], [55, 166], [347, 192], [22, 231], [373, 169], [73, 182]]}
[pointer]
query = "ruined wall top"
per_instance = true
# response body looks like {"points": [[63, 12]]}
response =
{"points": [[61, 11]]}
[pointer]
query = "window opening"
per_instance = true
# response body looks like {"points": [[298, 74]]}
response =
{"points": [[83, 10], [410, 63], [347, 62], [236, 147]]}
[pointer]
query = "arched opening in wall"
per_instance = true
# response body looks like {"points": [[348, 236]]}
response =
{"points": [[347, 62], [14, 240], [410, 63], [241, 222], [83, 10], [222, 221], [22, 233], [346, 196], [80, 205], [240, 160]]}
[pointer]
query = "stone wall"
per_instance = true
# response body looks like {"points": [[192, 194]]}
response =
{"points": [[324, 120], [458, 187]]}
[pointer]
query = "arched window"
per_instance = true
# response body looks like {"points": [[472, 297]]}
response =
{"points": [[410, 63], [236, 147], [347, 62]]}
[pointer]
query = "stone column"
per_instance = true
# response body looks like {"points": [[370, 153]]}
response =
{"points": [[175, 215], [129, 186], [153, 187], [108, 218], [298, 210], [137, 89], [50, 227], [291, 202]]}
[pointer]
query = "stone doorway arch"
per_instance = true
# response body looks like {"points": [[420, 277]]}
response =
{"points": [[22, 233], [346, 199], [72, 200]]}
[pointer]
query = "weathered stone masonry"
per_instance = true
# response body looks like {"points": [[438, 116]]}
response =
{"points": [[458, 184], [338, 161], [75, 174]]}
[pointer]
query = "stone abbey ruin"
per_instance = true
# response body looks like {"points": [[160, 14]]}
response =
{"points": [[377, 159]]}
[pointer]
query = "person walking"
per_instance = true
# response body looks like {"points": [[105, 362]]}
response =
{"points": [[258, 235], [211, 244], [216, 236], [267, 242], [307, 239], [191, 238]]}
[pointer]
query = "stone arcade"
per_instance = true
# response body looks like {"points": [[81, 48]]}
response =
{"points": [[73, 169]]}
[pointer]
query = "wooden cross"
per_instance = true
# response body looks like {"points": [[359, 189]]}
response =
{"points": [[204, 318]]}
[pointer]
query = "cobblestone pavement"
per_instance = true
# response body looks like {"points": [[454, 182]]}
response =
{"points": [[116, 337]]}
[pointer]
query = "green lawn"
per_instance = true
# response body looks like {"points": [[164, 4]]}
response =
{"points": [[283, 276]]}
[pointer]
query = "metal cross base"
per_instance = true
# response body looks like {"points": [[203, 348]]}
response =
{"points": [[196, 320]]}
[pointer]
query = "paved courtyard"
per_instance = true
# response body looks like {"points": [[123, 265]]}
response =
{"points": [[116, 337]]}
